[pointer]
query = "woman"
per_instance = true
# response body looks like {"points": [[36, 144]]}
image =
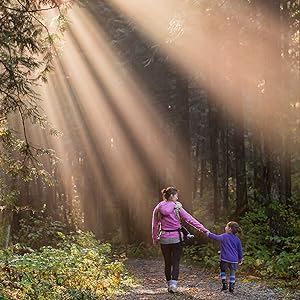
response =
{"points": [[166, 230]]}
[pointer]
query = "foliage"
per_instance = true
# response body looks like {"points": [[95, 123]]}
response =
{"points": [[38, 230], [206, 255], [273, 254], [8, 198], [7, 195], [26, 55], [28, 47], [141, 250], [80, 268]]}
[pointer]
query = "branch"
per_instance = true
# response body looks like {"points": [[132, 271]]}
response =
{"points": [[220, 5], [28, 11], [5, 66], [19, 98], [8, 95], [49, 35]]}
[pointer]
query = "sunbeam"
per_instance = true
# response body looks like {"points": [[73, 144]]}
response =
{"points": [[196, 49], [116, 124]]}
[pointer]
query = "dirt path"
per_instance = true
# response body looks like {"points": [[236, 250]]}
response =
{"points": [[194, 283]]}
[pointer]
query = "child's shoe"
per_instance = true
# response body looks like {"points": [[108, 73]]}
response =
{"points": [[231, 287], [224, 286]]}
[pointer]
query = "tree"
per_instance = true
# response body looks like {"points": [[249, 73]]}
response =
{"points": [[26, 56]]}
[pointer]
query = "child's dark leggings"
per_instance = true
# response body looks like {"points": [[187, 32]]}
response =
{"points": [[172, 254], [232, 267]]}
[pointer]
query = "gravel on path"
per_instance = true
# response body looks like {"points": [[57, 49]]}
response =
{"points": [[195, 283]]}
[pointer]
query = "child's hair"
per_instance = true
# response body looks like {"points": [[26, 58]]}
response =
{"points": [[234, 226], [167, 192]]}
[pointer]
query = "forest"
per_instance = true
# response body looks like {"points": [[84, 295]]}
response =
{"points": [[105, 103]]}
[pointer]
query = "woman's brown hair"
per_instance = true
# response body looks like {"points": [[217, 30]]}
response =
{"points": [[167, 192]]}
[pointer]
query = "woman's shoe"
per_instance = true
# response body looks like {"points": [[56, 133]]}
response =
{"points": [[172, 286], [168, 283]]}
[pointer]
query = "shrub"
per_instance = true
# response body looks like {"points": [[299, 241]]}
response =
{"points": [[39, 230], [275, 254], [80, 268]]}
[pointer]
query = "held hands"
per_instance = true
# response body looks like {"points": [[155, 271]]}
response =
{"points": [[205, 231]]}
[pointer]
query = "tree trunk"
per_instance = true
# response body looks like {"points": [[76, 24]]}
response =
{"points": [[285, 172], [240, 167], [196, 163], [183, 147], [224, 165], [213, 129], [203, 174], [257, 171]]}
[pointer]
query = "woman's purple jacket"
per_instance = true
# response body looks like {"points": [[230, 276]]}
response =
{"points": [[164, 218]]}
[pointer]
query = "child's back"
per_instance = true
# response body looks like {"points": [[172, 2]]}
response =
{"points": [[231, 247]]}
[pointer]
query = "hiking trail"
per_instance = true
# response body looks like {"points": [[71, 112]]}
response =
{"points": [[195, 283]]}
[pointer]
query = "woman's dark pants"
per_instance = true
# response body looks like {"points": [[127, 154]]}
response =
{"points": [[172, 254]]}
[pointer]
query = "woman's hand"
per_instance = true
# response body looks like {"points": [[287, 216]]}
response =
{"points": [[155, 241]]}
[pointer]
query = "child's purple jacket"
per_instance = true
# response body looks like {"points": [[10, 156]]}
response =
{"points": [[231, 246], [168, 220]]}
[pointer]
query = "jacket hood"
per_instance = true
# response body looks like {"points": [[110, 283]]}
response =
{"points": [[166, 207]]}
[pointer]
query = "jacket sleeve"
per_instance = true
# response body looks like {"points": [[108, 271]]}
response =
{"points": [[155, 225], [191, 220], [217, 237]]}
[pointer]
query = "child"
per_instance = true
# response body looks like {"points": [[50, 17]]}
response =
{"points": [[231, 253]]}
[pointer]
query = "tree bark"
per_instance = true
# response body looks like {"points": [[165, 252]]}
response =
{"points": [[183, 144], [213, 129]]}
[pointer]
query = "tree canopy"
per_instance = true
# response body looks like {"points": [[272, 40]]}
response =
{"points": [[27, 36]]}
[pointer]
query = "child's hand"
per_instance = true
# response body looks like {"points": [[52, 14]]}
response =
{"points": [[241, 261]]}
